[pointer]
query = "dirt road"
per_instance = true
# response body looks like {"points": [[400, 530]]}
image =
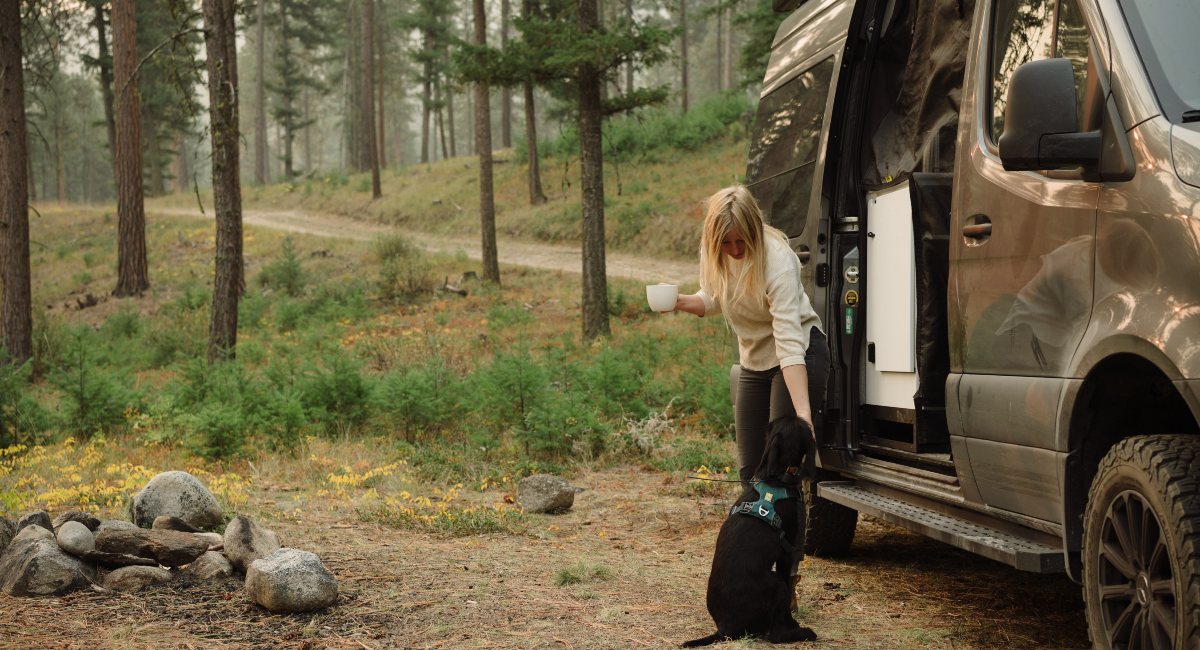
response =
{"points": [[537, 255]]}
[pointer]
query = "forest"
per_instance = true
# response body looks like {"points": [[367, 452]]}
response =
{"points": [[360, 267]]}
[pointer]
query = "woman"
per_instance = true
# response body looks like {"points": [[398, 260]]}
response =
{"points": [[749, 273]]}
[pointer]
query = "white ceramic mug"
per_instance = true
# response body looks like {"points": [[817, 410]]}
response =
{"points": [[662, 296]]}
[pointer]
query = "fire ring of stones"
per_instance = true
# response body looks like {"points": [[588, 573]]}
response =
{"points": [[177, 513]]}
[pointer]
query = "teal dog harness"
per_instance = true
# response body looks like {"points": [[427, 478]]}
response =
{"points": [[764, 508]]}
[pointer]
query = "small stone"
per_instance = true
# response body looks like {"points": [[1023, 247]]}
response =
{"points": [[117, 560], [7, 530], [167, 547], [115, 524], [168, 522], [135, 578], [290, 580], [176, 494], [34, 565], [246, 541], [214, 540], [82, 517], [38, 518], [545, 493], [209, 566], [75, 538]]}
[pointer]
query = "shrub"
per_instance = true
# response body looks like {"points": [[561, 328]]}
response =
{"points": [[94, 399], [562, 424], [337, 393], [404, 271], [216, 430], [416, 398], [508, 388], [125, 323], [21, 417], [284, 273]]}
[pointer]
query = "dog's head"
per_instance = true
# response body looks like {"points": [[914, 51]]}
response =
{"points": [[791, 453]]}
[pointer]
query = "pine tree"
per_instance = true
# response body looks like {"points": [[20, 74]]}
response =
{"points": [[132, 274], [16, 302], [302, 29]]}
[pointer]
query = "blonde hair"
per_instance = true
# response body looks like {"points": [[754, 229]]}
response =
{"points": [[730, 208]]}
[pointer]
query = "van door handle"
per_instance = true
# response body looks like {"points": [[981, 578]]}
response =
{"points": [[978, 231]]}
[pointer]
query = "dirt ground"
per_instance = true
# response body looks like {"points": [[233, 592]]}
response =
{"points": [[644, 541], [536, 255]]}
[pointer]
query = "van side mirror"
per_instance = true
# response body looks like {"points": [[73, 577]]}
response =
{"points": [[1041, 127]]}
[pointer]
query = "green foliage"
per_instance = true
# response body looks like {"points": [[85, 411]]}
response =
{"points": [[285, 273], [418, 398], [125, 323], [404, 269], [215, 430], [659, 129], [562, 424], [337, 394], [94, 398], [507, 389], [21, 417], [251, 309]]}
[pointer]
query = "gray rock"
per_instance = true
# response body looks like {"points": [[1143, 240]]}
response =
{"points": [[168, 522], [209, 566], [34, 565], [75, 538], [134, 578], [115, 524], [214, 540], [177, 494], [117, 560], [7, 530], [82, 517], [39, 518], [167, 547], [545, 493], [289, 580], [246, 541]]}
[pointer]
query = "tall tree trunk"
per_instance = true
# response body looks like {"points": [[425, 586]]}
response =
{"points": [[380, 66], [505, 92], [260, 96], [683, 54], [629, 66], [308, 161], [60, 165], [591, 163], [182, 172], [727, 56], [720, 57], [220, 41], [158, 180], [132, 278], [16, 314], [441, 121], [368, 121], [536, 195], [483, 143], [450, 120], [106, 82], [426, 104]]}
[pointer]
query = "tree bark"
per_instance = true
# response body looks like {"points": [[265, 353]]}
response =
{"points": [[505, 92], [380, 66], [132, 278], [220, 41], [727, 72], [591, 163], [106, 82], [368, 119], [536, 195], [450, 120], [426, 103], [683, 54], [483, 143], [260, 97], [629, 66], [16, 302]]}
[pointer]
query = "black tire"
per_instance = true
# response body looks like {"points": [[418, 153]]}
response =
{"points": [[1141, 545], [830, 528]]}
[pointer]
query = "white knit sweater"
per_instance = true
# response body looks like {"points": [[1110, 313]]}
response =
{"points": [[774, 334]]}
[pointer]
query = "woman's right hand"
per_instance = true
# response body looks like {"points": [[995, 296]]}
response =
{"points": [[690, 303]]}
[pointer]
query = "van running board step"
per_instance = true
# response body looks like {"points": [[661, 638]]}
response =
{"points": [[1013, 550]]}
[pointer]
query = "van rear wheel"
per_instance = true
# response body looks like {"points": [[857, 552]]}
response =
{"points": [[1141, 545], [830, 526]]}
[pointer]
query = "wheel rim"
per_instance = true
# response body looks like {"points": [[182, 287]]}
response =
{"points": [[1136, 580]]}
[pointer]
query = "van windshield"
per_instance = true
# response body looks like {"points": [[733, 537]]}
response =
{"points": [[1165, 34]]}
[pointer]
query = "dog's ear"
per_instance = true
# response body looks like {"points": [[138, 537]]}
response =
{"points": [[781, 451]]}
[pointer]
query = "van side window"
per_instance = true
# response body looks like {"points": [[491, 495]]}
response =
{"points": [[1024, 31], [784, 145]]}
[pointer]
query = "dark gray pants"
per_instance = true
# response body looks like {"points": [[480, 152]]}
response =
{"points": [[763, 396]]}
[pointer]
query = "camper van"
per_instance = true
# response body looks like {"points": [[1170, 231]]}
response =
{"points": [[997, 208]]}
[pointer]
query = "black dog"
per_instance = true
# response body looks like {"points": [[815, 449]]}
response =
{"points": [[750, 587]]}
